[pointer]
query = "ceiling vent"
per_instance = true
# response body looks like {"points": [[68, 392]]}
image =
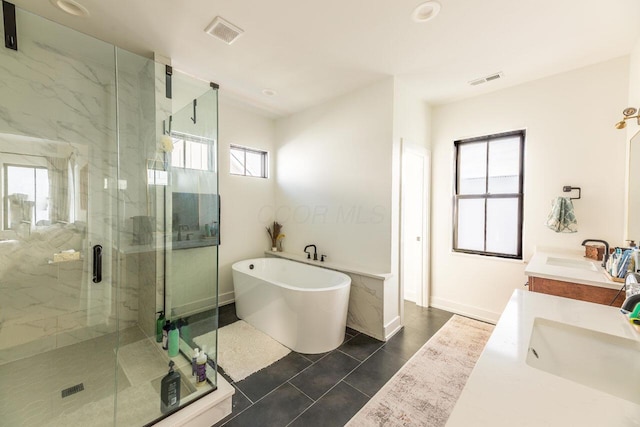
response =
{"points": [[486, 79], [223, 30]]}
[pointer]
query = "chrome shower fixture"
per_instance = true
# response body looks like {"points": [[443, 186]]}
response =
{"points": [[628, 114]]}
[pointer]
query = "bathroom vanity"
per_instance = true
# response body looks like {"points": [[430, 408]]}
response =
{"points": [[554, 362], [572, 276]]}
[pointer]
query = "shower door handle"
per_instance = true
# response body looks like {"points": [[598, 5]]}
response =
{"points": [[97, 264]]}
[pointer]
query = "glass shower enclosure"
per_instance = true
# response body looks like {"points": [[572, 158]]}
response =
{"points": [[109, 217]]}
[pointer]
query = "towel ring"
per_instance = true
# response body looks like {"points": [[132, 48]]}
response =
{"points": [[568, 188]]}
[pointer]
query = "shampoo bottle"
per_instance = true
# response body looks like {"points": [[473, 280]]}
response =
{"points": [[165, 335], [159, 324], [174, 340], [170, 391], [194, 362], [201, 369]]}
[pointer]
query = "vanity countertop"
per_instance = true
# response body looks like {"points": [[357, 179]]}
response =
{"points": [[539, 266], [503, 390]]}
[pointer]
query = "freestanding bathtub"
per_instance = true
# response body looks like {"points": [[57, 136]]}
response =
{"points": [[301, 306]]}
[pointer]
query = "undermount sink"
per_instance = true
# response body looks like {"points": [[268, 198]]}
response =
{"points": [[594, 359], [572, 263]]}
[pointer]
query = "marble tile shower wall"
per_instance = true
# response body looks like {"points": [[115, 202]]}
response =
{"points": [[59, 93]]}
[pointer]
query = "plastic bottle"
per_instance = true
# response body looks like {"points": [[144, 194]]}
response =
{"points": [[201, 369], [194, 361], [165, 334], [159, 325], [170, 390], [174, 340]]}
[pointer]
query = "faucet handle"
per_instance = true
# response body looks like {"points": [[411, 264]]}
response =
{"points": [[322, 257]]}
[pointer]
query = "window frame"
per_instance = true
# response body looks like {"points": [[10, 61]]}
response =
{"points": [[265, 161], [210, 147], [486, 195], [5, 190]]}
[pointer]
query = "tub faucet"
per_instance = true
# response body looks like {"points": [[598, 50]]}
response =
{"points": [[315, 252], [606, 249]]}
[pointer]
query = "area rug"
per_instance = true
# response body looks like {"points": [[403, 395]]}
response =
{"points": [[424, 391], [242, 349]]}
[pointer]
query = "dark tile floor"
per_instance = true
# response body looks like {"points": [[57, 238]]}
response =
{"points": [[327, 389]]}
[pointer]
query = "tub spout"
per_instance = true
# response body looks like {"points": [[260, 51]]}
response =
{"points": [[315, 252]]}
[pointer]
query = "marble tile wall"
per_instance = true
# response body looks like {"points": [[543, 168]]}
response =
{"points": [[58, 95]]}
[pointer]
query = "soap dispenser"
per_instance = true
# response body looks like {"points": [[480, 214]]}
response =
{"points": [[170, 390]]}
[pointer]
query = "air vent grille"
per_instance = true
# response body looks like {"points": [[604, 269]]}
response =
{"points": [[486, 79], [223, 30]]}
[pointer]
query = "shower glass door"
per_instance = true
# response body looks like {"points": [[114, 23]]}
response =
{"points": [[58, 183]]}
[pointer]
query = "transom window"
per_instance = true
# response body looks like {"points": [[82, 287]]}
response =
{"points": [[248, 162], [488, 197]]}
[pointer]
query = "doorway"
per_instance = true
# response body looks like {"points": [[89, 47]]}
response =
{"points": [[414, 254]]}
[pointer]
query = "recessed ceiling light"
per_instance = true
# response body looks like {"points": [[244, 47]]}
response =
{"points": [[269, 92], [426, 11], [71, 7]]}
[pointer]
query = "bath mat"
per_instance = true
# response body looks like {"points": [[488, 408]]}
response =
{"points": [[424, 391], [242, 349]]}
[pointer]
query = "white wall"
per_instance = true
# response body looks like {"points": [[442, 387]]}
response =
{"points": [[243, 199], [334, 178], [570, 140]]}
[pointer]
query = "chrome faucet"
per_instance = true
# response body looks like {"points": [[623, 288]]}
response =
{"points": [[315, 252], [606, 249]]}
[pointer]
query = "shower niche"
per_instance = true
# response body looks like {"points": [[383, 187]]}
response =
{"points": [[84, 166]]}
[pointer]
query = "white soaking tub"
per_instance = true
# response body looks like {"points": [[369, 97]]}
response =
{"points": [[301, 306]]}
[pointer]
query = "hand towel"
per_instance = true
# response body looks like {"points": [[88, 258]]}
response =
{"points": [[562, 218]]}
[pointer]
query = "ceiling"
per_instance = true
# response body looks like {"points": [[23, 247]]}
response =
{"points": [[312, 51]]}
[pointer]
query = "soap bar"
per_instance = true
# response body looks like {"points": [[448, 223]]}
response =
{"points": [[66, 256]]}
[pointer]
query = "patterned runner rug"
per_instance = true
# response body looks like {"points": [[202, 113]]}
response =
{"points": [[424, 391]]}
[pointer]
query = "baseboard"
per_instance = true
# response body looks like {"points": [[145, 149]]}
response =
{"points": [[465, 310], [391, 328], [226, 298]]}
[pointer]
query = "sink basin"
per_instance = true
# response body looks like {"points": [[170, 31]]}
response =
{"points": [[572, 263], [594, 359]]}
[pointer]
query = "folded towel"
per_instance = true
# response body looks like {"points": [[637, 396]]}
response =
{"points": [[562, 219]]}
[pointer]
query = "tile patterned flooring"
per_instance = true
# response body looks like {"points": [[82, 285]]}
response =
{"points": [[327, 389]]}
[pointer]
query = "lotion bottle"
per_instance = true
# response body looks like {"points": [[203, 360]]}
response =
{"points": [[201, 369], [174, 340]]}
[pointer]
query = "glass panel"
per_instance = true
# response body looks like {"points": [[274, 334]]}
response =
{"points": [[236, 161], [255, 164], [192, 235], [502, 226], [504, 165], [471, 224], [472, 168], [58, 149]]}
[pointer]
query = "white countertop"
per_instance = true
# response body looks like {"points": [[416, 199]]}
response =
{"points": [[538, 267], [503, 390]]}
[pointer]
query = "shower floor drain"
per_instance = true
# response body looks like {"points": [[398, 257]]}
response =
{"points": [[72, 390]]}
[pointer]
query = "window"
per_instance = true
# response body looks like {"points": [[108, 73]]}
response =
{"points": [[487, 217], [248, 162], [192, 152], [27, 190]]}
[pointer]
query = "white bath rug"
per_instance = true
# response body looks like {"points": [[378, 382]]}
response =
{"points": [[242, 349]]}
